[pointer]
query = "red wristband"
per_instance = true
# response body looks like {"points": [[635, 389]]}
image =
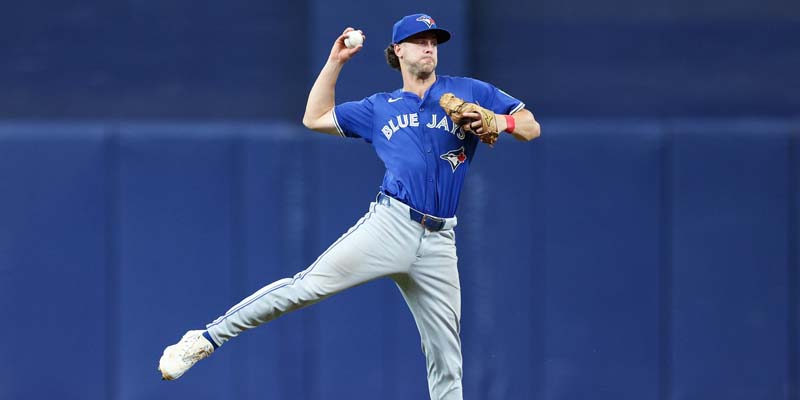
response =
{"points": [[510, 124]]}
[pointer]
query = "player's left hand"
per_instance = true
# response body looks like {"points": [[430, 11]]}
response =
{"points": [[471, 118], [477, 124]]}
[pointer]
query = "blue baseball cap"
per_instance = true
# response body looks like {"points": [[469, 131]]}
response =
{"points": [[411, 25]]}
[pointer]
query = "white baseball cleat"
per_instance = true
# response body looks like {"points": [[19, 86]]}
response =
{"points": [[181, 356]]}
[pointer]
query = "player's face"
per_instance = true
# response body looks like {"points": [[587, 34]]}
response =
{"points": [[419, 54]]}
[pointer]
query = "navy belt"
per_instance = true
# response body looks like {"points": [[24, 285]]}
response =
{"points": [[431, 223]]}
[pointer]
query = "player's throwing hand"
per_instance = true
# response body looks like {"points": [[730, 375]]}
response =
{"points": [[340, 52]]}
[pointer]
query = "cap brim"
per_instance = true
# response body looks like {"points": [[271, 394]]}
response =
{"points": [[441, 35]]}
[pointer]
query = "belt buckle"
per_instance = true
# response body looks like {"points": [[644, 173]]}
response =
{"points": [[439, 223]]}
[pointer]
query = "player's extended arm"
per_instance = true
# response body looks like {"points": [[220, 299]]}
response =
{"points": [[321, 99], [526, 128]]}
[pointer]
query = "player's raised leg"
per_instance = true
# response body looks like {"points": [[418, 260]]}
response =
{"points": [[360, 255], [433, 293]]}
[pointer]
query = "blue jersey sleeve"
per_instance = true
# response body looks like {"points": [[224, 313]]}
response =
{"points": [[354, 118], [495, 99]]}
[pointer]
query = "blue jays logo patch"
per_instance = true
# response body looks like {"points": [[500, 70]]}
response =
{"points": [[455, 157], [427, 20]]}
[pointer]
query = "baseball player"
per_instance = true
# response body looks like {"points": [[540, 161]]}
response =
{"points": [[426, 134]]}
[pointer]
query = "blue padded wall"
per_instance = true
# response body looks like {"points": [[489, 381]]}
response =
{"points": [[54, 262], [604, 197], [611, 259], [730, 254], [175, 247]]}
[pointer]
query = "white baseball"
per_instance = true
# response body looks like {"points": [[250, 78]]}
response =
{"points": [[353, 39]]}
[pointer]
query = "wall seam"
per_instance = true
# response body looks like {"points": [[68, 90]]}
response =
{"points": [[539, 384], [792, 392], [665, 266], [112, 179], [238, 245], [310, 226]]}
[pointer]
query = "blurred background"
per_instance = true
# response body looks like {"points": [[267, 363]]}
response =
{"points": [[154, 171]]}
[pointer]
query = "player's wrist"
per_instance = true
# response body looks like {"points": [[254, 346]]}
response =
{"points": [[336, 61]]}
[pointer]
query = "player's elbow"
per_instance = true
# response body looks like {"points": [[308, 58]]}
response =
{"points": [[320, 125], [535, 132], [532, 132], [527, 126], [308, 122], [317, 122], [312, 123]]}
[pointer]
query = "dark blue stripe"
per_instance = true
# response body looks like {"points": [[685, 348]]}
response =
{"points": [[210, 340]]}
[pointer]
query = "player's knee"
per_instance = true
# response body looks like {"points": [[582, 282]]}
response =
{"points": [[451, 373]]}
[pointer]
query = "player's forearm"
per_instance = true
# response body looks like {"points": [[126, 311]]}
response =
{"points": [[321, 99], [526, 128]]}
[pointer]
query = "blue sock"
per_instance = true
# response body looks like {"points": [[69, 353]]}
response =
{"points": [[208, 337]]}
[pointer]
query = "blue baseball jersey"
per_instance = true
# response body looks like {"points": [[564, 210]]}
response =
{"points": [[426, 155]]}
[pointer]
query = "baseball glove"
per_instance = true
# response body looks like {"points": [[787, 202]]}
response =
{"points": [[455, 109]]}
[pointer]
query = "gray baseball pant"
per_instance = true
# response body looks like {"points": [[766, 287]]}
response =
{"points": [[383, 243]]}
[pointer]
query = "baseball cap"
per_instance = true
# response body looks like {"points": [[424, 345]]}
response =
{"points": [[413, 24]]}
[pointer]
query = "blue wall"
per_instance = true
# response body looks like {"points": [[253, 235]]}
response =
{"points": [[608, 259]]}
